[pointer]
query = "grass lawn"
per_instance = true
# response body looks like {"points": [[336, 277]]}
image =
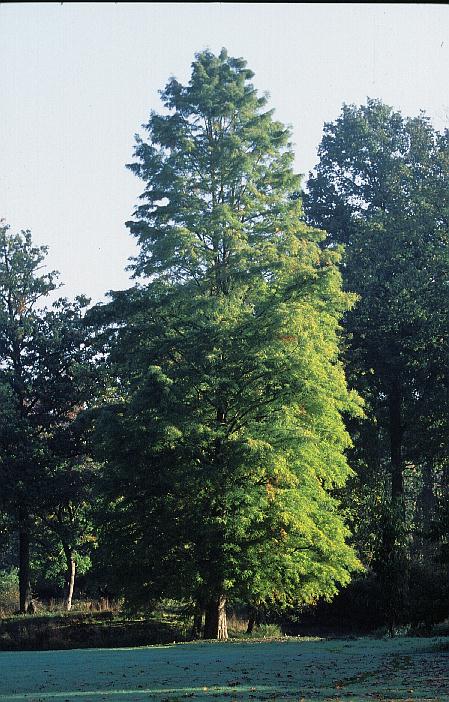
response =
{"points": [[294, 669]]}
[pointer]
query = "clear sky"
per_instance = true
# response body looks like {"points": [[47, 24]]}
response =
{"points": [[78, 79]]}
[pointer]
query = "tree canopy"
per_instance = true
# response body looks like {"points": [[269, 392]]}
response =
{"points": [[45, 380], [381, 188], [226, 437]]}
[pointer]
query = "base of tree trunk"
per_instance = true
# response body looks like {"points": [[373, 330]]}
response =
{"points": [[25, 593], [71, 565], [215, 625], [197, 626], [253, 619]]}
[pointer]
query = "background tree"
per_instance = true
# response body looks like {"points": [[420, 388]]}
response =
{"points": [[381, 188], [65, 523], [45, 378], [225, 438]]}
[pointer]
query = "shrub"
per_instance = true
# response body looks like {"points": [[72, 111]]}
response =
{"points": [[267, 631], [9, 591]]}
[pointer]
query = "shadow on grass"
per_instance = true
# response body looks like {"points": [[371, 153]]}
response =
{"points": [[291, 670]]}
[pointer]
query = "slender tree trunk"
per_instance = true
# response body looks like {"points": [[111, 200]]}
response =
{"points": [[396, 432], [197, 622], [253, 619], [25, 594], [396, 566], [427, 500], [70, 577], [251, 622], [215, 625], [222, 621], [425, 507]]}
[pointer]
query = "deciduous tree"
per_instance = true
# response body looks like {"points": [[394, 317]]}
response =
{"points": [[45, 379], [381, 189]]}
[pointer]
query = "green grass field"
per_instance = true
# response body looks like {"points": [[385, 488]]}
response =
{"points": [[294, 669]]}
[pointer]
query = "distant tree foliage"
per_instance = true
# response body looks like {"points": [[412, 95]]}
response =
{"points": [[45, 380], [381, 188]]}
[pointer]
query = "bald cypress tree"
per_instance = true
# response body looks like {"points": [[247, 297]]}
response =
{"points": [[226, 438]]}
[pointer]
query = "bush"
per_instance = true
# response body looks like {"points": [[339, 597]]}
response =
{"points": [[9, 591], [267, 631], [429, 595]]}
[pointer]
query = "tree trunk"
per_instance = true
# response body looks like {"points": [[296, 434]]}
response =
{"points": [[24, 571], [197, 622], [70, 577], [215, 625], [396, 556], [253, 619], [425, 508], [396, 431], [251, 622]]}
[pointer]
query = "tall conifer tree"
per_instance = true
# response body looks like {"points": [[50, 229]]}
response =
{"points": [[226, 437]]}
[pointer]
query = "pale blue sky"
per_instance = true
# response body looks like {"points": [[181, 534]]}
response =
{"points": [[77, 80]]}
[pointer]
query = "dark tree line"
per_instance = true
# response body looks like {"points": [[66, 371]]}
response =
{"points": [[192, 436]]}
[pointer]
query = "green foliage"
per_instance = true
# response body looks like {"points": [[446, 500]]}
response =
{"points": [[9, 590], [49, 562], [267, 631], [42, 377], [224, 440], [46, 377], [23, 333], [381, 188]]}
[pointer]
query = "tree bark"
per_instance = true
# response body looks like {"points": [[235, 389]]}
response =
{"points": [[253, 619], [396, 432], [25, 594], [251, 622], [197, 622], [215, 625], [427, 499], [396, 575], [70, 578]]}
